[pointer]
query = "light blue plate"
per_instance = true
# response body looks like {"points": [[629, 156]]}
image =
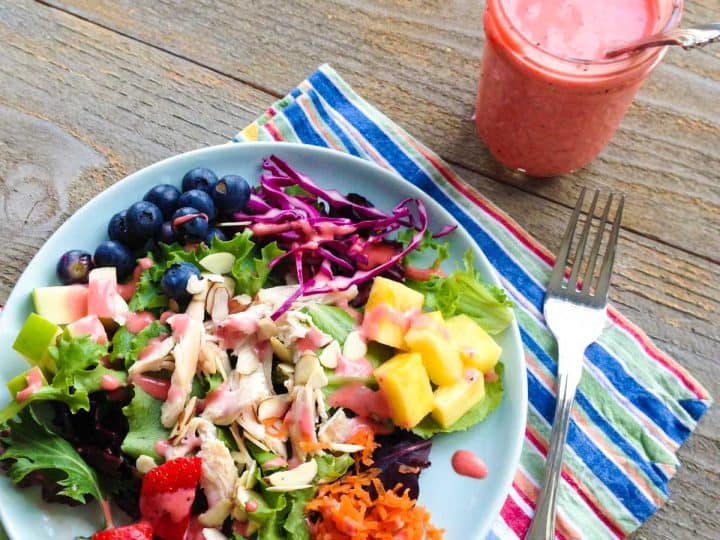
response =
{"points": [[465, 508]]}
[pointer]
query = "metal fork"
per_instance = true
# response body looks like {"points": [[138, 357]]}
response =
{"points": [[575, 311]]}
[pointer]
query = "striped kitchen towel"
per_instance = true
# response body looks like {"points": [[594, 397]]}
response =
{"points": [[635, 407]]}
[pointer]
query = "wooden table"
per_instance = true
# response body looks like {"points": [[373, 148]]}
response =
{"points": [[91, 90]]}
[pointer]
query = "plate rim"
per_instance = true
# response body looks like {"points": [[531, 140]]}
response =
{"points": [[278, 147]]}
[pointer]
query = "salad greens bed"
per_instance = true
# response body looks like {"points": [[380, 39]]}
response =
{"points": [[234, 362]]}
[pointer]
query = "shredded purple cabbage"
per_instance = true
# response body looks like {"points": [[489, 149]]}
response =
{"points": [[401, 457], [325, 234]]}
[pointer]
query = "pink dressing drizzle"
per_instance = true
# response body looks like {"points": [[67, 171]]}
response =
{"points": [[136, 322], [383, 312], [189, 217], [251, 506], [361, 400], [109, 383], [153, 345], [465, 463], [311, 342], [165, 315], [34, 380], [275, 463], [127, 290], [179, 323], [157, 388], [360, 367]]}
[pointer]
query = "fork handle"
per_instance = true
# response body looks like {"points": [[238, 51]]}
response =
{"points": [[543, 523]]}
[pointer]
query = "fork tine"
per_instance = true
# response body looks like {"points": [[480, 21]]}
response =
{"points": [[609, 260], [587, 279], [580, 251], [561, 261]]}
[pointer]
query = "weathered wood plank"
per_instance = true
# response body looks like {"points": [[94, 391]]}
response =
{"points": [[419, 62], [113, 105]]}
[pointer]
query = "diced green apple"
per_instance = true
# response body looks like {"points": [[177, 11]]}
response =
{"points": [[61, 305], [34, 339], [33, 376]]}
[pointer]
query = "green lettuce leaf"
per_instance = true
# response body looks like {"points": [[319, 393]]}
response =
{"points": [[330, 467], [295, 525], [463, 292], [140, 341], [331, 320], [148, 294], [430, 253], [32, 446], [79, 373], [251, 272], [493, 396], [144, 426]]}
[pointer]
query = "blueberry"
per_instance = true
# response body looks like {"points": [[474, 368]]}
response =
{"points": [[112, 253], [214, 233], [167, 234], [189, 224], [74, 266], [231, 193], [165, 197], [175, 279], [196, 198], [144, 220], [118, 230], [202, 179]]}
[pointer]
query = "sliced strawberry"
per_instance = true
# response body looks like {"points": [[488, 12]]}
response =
{"points": [[138, 531], [167, 495]]}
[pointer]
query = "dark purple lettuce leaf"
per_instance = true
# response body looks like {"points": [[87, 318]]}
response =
{"points": [[401, 457]]}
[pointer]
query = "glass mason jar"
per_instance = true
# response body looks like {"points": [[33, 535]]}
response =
{"points": [[548, 115]]}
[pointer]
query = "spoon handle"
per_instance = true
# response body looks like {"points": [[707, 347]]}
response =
{"points": [[687, 38]]}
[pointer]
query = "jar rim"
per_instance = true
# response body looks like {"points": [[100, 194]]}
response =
{"points": [[622, 63]]}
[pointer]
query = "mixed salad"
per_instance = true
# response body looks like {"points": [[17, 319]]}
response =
{"points": [[262, 362]]}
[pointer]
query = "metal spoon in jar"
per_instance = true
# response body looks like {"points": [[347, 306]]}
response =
{"points": [[687, 38]]}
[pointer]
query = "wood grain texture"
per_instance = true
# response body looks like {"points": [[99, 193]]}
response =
{"points": [[109, 105], [419, 62]]}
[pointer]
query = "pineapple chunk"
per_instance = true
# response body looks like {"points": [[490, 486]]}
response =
{"points": [[387, 309], [477, 348], [406, 387], [452, 402], [429, 336]]}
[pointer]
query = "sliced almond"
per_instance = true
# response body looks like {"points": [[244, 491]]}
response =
{"points": [[355, 347], [284, 489], [273, 407], [267, 328], [144, 464], [217, 303], [345, 448], [218, 263], [320, 404], [247, 478], [279, 348], [300, 475], [180, 428], [330, 355], [305, 367], [256, 442]]}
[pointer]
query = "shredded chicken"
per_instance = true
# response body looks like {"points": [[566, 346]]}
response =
{"points": [[337, 429], [217, 479], [239, 392], [156, 359], [186, 354], [300, 420], [197, 431]]}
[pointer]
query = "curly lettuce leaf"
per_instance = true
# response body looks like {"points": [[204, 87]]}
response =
{"points": [[251, 272], [144, 426], [430, 253], [493, 396], [79, 373], [463, 292], [148, 294], [32, 446], [128, 346]]}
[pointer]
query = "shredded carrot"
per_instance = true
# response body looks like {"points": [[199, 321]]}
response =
{"points": [[365, 437], [275, 427], [313, 447], [346, 511]]}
